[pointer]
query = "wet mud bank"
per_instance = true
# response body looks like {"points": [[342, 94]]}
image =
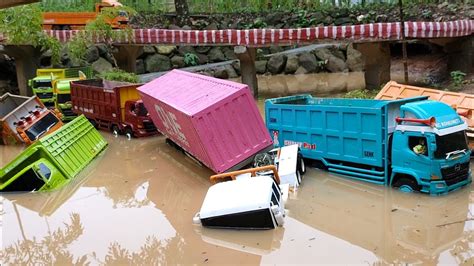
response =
{"points": [[135, 203]]}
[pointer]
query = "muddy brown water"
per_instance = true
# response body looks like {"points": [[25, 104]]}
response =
{"points": [[134, 205]]}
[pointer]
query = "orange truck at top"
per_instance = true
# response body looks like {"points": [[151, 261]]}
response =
{"points": [[78, 20], [463, 103]]}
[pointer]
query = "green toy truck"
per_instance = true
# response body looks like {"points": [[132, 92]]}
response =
{"points": [[53, 160]]}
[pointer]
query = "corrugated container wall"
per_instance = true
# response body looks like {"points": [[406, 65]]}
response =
{"points": [[216, 121]]}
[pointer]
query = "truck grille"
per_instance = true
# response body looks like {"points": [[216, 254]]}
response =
{"points": [[44, 95], [456, 173], [149, 126], [67, 112]]}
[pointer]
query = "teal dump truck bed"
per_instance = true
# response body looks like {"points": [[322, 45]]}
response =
{"points": [[54, 159]]}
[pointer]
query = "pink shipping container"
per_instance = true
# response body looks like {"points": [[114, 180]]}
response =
{"points": [[216, 121]]}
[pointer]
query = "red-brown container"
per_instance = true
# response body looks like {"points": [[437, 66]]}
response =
{"points": [[217, 121]]}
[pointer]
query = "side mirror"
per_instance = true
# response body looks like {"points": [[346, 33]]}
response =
{"points": [[30, 82]]}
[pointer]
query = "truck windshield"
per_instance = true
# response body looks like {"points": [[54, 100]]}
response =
{"points": [[142, 111], [453, 142], [41, 127], [42, 84], [64, 98]]}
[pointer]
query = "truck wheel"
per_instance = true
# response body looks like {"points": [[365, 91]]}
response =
{"points": [[129, 133], [94, 123], [115, 130], [407, 185], [301, 166], [298, 176]]}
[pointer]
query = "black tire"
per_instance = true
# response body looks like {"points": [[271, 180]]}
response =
{"points": [[115, 130], [128, 133], [94, 123], [301, 165], [406, 184], [298, 177]]}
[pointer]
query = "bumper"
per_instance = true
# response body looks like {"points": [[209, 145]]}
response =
{"points": [[436, 188], [143, 133]]}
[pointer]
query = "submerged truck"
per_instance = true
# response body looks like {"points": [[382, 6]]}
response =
{"points": [[112, 105], [463, 103], [413, 144], [54, 160], [25, 119], [42, 84]]}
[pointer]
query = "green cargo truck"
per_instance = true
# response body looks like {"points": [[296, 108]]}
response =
{"points": [[62, 95], [54, 159], [42, 84]]}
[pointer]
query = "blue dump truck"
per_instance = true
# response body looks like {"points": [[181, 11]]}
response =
{"points": [[413, 144]]}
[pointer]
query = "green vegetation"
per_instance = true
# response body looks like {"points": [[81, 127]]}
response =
{"points": [[23, 26], [361, 94], [227, 6], [98, 29], [457, 77], [120, 75], [191, 59]]}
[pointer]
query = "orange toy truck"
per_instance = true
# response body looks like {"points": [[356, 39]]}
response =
{"points": [[25, 119], [78, 20]]}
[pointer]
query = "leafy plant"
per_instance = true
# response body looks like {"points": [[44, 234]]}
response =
{"points": [[120, 75], [99, 29], [191, 59], [22, 25], [457, 77], [361, 94]]}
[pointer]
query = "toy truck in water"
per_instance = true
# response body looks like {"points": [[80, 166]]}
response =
{"points": [[54, 160], [42, 84], [25, 119], [112, 105], [413, 144]]}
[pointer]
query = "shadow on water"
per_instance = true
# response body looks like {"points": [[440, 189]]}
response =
{"points": [[135, 205]]}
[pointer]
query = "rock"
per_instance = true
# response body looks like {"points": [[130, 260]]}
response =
{"points": [[231, 71], [276, 63], [140, 65], [157, 63], [216, 55], [301, 70], [165, 49], [334, 63], [212, 26], [273, 18], [236, 66], [338, 53], [202, 58], [308, 61], [275, 49], [101, 65], [203, 49], [182, 50], [148, 49], [355, 61], [220, 72], [92, 54], [187, 27], [292, 64], [174, 27], [177, 61], [229, 53], [343, 21], [103, 49], [261, 66]]}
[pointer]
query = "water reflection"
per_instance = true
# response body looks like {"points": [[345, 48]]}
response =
{"points": [[135, 206]]}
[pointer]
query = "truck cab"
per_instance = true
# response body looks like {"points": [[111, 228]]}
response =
{"points": [[137, 119], [62, 94], [442, 164], [42, 87], [37, 124]]}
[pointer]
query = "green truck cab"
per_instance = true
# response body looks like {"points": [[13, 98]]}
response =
{"points": [[42, 84], [53, 160], [62, 94]]}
